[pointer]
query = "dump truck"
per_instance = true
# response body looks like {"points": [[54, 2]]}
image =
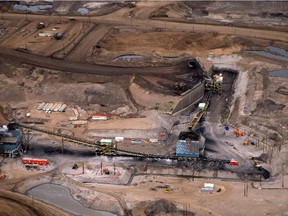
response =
{"points": [[40, 25], [58, 35]]}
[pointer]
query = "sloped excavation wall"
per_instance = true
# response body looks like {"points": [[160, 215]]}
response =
{"points": [[189, 98]]}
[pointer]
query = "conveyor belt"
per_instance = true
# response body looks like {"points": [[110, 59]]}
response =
{"points": [[110, 151], [200, 113]]}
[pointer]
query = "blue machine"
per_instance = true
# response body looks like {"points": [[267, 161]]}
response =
{"points": [[11, 142], [189, 148]]}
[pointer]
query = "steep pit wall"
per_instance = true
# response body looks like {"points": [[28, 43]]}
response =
{"points": [[189, 98]]}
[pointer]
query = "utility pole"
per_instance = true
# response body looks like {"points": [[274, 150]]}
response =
{"points": [[101, 168], [25, 41], [193, 174], [246, 189], [64, 51], [62, 146], [282, 176], [27, 142]]}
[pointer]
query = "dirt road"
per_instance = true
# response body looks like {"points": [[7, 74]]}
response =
{"points": [[108, 19], [20, 205], [83, 49], [202, 203], [74, 67]]}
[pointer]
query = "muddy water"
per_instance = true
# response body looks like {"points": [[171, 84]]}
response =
{"points": [[127, 58], [270, 55], [278, 51], [60, 196], [32, 8], [83, 11], [279, 73], [273, 53]]}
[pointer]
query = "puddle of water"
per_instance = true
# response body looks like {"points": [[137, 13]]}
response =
{"points": [[170, 57], [32, 8], [2, 32], [269, 55], [83, 10], [278, 51], [60, 196], [279, 73], [127, 58]]}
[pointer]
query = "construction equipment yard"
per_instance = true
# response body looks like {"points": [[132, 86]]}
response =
{"points": [[143, 108]]}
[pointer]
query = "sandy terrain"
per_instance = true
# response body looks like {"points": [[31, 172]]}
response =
{"points": [[147, 188], [85, 48], [131, 123], [152, 100], [137, 94], [171, 43], [27, 37]]}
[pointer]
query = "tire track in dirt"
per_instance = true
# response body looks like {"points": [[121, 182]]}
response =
{"points": [[74, 67], [84, 48]]}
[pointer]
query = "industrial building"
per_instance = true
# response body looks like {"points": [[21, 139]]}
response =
{"points": [[191, 146], [11, 142]]}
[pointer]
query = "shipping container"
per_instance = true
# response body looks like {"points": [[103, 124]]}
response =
{"points": [[153, 140], [62, 108], [45, 106], [99, 118], [119, 139], [53, 107], [35, 161], [136, 142], [41, 106], [106, 141], [80, 122], [50, 105], [56, 108]]}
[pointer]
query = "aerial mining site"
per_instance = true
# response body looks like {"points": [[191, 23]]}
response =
{"points": [[144, 108]]}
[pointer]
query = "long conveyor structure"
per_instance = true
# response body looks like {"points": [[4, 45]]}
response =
{"points": [[111, 151]]}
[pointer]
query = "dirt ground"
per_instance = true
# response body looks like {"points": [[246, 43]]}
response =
{"points": [[138, 106], [28, 37], [144, 189]]}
